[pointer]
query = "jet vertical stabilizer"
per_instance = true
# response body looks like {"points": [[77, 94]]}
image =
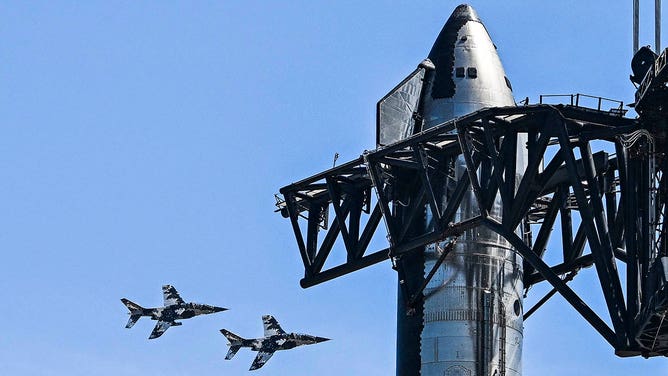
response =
{"points": [[136, 312], [236, 342]]}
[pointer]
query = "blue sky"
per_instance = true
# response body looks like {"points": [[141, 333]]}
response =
{"points": [[142, 143]]}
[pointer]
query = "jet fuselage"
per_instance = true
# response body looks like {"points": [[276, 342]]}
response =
{"points": [[180, 311], [282, 342]]}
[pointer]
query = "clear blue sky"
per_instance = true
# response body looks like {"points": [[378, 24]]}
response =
{"points": [[141, 144]]}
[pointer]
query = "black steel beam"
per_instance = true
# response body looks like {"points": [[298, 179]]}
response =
{"points": [[502, 161], [509, 156], [603, 256], [355, 166], [645, 250], [370, 228], [424, 178], [293, 213], [404, 163], [471, 168], [341, 214], [578, 243], [383, 201], [417, 295], [455, 200], [314, 213], [562, 175], [325, 248], [416, 207], [565, 219], [545, 229], [547, 297], [357, 202], [432, 237], [556, 282], [627, 186], [344, 269], [530, 189], [527, 184], [566, 267]]}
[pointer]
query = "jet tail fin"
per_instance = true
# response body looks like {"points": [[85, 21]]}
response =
{"points": [[132, 306], [136, 312], [235, 343]]}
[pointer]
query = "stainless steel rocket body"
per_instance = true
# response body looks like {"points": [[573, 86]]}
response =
{"points": [[472, 313]]}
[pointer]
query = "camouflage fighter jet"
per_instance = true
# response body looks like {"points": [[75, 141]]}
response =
{"points": [[274, 339], [175, 309]]}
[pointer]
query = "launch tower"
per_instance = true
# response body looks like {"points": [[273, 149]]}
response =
{"points": [[469, 186]]}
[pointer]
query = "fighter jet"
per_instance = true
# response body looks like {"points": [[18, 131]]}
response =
{"points": [[175, 309], [274, 339]]}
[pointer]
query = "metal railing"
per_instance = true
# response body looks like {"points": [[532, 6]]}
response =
{"points": [[588, 101]]}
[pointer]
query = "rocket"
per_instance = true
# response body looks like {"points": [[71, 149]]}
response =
{"points": [[470, 320], [469, 75]]}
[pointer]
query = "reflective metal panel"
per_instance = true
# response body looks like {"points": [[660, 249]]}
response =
{"points": [[472, 321]]}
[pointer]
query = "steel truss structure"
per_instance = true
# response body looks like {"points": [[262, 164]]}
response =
{"points": [[611, 207]]}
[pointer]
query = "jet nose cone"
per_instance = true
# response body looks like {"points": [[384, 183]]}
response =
{"points": [[321, 339], [219, 309]]}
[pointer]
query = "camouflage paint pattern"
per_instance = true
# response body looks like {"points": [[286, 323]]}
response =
{"points": [[275, 339], [174, 309]]}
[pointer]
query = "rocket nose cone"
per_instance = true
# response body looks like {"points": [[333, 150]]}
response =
{"points": [[442, 53], [448, 35], [464, 12]]}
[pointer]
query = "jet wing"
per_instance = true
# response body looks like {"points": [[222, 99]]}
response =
{"points": [[271, 326], [261, 358], [171, 296], [160, 328]]}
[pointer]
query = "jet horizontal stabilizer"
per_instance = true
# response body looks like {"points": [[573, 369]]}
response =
{"points": [[232, 351], [133, 320]]}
